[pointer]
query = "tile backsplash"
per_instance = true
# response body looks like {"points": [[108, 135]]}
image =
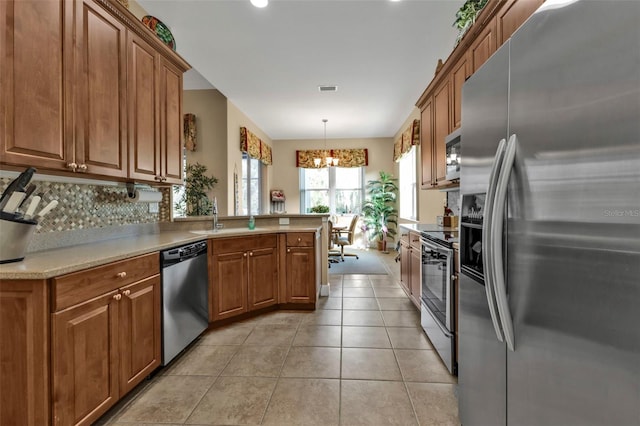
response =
{"points": [[87, 206]]}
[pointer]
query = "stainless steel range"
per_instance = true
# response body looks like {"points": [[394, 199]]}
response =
{"points": [[437, 313]]}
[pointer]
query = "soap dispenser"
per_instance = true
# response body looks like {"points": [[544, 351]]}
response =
{"points": [[252, 222]]}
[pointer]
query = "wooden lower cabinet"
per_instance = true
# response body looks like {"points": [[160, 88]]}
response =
{"points": [[301, 275], [262, 278], [244, 275], [140, 331], [85, 360], [24, 353], [229, 290], [415, 279], [411, 266], [105, 336]]}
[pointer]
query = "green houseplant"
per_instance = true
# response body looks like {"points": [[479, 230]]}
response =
{"points": [[193, 199], [320, 208], [379, 209], [466, 16]]}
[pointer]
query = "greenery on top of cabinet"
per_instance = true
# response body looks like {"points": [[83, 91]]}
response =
{"points": [[466, 16]]}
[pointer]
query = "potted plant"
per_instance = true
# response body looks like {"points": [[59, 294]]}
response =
{"points": [[320, 208], [379, 209], [193, 199], [466, 16]]}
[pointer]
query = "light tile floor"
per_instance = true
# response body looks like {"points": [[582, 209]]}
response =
{"points": [[360, 359]]}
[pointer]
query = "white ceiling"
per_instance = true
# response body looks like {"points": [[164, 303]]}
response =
{"points": [[269, 62]]}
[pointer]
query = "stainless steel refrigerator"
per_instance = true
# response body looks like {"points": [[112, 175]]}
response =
{"points": [[549, 302]]}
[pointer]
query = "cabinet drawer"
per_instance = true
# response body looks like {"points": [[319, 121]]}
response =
{"points": [[239, 244], [414, 240], [300, 239], [83, 285], [404, 236]]}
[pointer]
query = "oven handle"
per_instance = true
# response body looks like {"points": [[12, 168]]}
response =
{"points": [[497, 229], [436, 247], [437, 321], [487, 255]]}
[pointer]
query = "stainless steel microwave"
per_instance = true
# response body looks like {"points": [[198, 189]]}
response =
{"points": [[452, 142]]}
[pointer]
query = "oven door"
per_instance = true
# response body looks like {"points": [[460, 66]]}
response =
{"points": [[437, 272]]}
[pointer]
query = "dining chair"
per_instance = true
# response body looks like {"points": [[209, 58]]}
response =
{"points": [[332, 251], [346, 237]]}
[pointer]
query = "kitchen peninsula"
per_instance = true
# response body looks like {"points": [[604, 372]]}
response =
{"points": [[85, 318]]}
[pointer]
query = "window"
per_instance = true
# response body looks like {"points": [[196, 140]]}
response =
{"points": [[408, 195], [251, 185], [340, 188]]}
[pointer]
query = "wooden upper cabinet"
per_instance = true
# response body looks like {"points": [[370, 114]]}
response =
{"points": [[171, 122], [101, 144], [35, 83], [483, 46], [459, 75], [143, 123], [512, 15], [426, 144], [441, 128]]}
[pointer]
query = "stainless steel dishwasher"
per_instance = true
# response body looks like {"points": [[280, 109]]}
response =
{"points": [[185, 308]]}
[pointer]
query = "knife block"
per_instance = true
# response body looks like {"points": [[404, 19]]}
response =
{"points": [[15, 236]]}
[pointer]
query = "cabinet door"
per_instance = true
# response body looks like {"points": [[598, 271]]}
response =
{"points": [[263, 278], [85, 360], [483, 46], [426, 144], [143, 122], [405, 266], [441, 128], [416, 276], [25, 353], [101, 145], [512, 15], [459, 75], [170, 123], [36, 68], [229, 296], [140, 334], [301, 275]]}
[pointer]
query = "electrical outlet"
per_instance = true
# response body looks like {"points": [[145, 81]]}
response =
{"points": [[283, 220], [154, 207]]}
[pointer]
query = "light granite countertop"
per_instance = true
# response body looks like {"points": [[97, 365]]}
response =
{"points": [[426, 227], [51, 263]]}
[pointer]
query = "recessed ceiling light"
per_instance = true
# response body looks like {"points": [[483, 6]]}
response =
{"points": [[328, 88], [260, 3]]}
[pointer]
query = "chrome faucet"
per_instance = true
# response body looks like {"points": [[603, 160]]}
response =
{"points": [[215, 214]]}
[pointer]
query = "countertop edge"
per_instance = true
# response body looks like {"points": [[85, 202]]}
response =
{"points": [[44, 265]]}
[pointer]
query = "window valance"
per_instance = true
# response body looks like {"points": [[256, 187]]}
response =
{"points": [[409, 138], [346, 157], [255, 147]]}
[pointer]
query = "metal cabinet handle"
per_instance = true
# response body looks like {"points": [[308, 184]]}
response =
{"points": [[72, 166], [244, 254], [121, 274], [497, 228], [299, 239], [487, 254], [117, 296], [158, 178], [82, 167], [126, 292], [250, 253], [288, 250]]}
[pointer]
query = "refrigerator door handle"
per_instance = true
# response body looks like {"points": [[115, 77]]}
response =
{"points": [[487, 255], [497, 229]]}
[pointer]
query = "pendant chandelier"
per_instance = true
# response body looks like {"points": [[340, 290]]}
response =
{"points": [[328, 159]]}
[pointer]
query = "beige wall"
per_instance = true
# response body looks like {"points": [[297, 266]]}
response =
{"points": [[210, 108], [286, 175], [235, 120], [430, 202]]}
